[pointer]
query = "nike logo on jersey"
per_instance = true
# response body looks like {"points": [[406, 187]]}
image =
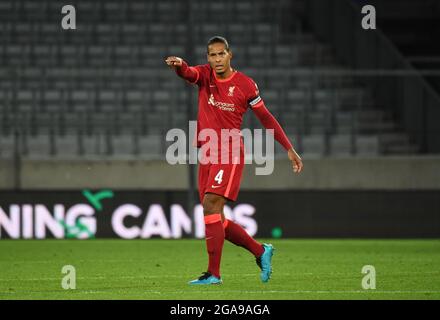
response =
{"points": [[213, 187]]}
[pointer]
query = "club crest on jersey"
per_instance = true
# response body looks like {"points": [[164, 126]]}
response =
{"points": [[231, 91]]}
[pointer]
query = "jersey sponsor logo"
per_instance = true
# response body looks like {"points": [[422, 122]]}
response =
{"points": [[221, 105], [255, 101], [214, 187], [231, 91], [211, 100]]}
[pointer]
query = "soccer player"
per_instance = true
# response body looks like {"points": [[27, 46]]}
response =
{"points": [[225, 94]]}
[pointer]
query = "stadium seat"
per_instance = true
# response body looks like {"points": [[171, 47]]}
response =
{"points": [[67, 146], [123, 145], [38, 146], [313, 146], [151, 146], [7, 145], [340, 145], [110, 72], [367, 146]]}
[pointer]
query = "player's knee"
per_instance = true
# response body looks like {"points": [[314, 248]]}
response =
{"points": [[213, 203]]}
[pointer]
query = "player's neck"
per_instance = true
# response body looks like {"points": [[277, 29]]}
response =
{"points": [[225, 75]]}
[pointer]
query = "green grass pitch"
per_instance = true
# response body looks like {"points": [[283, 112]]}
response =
{"points": [[160, 269]]}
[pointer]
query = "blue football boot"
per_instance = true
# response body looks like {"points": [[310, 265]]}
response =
{"points": [[265, 262], [206, 278]]}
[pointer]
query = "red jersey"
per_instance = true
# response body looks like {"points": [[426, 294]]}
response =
{"points": [[223, 102]]}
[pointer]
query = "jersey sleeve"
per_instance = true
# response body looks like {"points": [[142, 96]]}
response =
{"points": [[269, 122], [266, 118], [252, 93], [192, 74]]}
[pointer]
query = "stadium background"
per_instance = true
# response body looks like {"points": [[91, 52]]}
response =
{"points": [[83, 119], [88, 110]]}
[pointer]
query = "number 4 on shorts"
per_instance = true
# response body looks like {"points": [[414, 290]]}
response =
{"points": [[219, 177]]}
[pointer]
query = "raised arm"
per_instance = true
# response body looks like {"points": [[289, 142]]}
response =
{"points": [[269, 122], [182, 69]]}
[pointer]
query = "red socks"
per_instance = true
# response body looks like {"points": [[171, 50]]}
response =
{"points": [[216, 232], [238, 236], [215, 237]]}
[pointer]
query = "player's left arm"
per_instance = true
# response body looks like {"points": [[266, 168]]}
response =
{"points": [[269, 122], [254, 101]]}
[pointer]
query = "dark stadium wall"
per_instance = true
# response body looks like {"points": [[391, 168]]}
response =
{"points": [[265, 214], [355, 173]]}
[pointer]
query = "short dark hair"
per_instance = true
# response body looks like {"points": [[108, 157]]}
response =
{"points": [[218, 39]]}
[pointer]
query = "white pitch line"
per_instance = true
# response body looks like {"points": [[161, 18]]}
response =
{"points": [[135, 277], [51, 279], [248, 292], [297, 276], [302, 291], [82, 260], [283, 291], [189, 276]]}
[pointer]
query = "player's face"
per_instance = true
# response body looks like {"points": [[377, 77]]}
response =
{"points": [[219, 58]]}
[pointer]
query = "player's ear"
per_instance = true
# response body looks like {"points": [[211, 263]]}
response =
{"points": [[230, 54]]}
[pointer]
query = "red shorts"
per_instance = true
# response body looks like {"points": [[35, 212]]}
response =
{"points": [[221, 179]]}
